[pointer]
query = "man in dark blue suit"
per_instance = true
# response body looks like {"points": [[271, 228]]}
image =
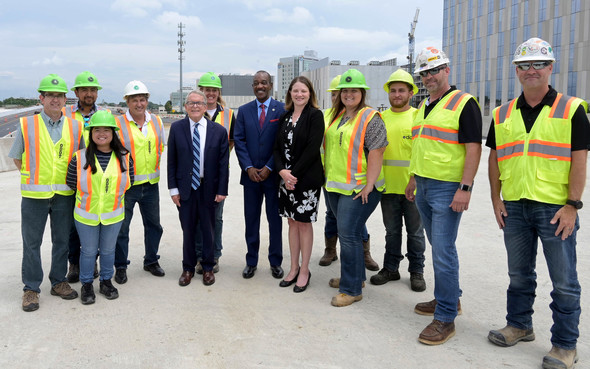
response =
{"points": [[254, 137], [198, 174]]}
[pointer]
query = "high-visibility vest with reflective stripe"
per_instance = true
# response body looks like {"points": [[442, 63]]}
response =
{"points": [[224, 118], [101, 196], [45, 164], [69, 112], [346, 145], [327, 116], [436, 151], [396, 158], [146, 151], [535, 165]]}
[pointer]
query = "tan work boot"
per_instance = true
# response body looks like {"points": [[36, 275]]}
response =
{"points": [[509, 336], [437, 333], [428, 308], [335, 283], [343, 299], [330, 252], [559, 358], [369, 262], [64, 291], [30, 300]]}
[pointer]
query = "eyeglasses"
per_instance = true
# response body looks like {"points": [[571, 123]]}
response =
{"points": [[196, 103], [50, 96], [433, 71], [535, 65]]}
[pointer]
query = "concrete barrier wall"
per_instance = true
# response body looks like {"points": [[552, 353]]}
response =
{"points": [[6, 163]]}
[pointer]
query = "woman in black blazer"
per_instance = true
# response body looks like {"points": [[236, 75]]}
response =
{"points": [[298, 162]]}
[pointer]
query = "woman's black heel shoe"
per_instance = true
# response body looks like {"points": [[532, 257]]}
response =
{"points": [[298, 289], [285, 283]]}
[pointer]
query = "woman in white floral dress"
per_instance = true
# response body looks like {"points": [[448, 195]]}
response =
{"points": [[298, 162]]}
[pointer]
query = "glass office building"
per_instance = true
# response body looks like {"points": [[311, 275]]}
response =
{"points": [[480, 37]]}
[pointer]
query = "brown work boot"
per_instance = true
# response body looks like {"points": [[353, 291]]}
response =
{"points": [[427, 308], [343, 299], [509, 336], [559, 358], [437, 333], [30, 300], [64, 291], [369, 262], [335, 283], [330, 251]]}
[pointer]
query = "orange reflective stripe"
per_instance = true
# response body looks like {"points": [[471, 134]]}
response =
{"points": [[549, 156], [359, 168], [25, 129], [351, 148], [74, 143], [550, 143], [131, 140], [509, 144], [37, 148], [503, 112], [451, 97], [118, 193], [555, 103]]}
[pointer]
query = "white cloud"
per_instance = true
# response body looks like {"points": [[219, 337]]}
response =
{"points": [[135, 8], [55, 60], [299, 15], [169, 20], [281, 39], [258, 4]]}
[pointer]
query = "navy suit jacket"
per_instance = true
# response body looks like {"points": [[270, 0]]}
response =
{"points": [[254, 146], [215, 166]]}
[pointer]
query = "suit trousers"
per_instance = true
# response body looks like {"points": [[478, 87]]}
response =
{"points": [[194, 212], [254, 193]]}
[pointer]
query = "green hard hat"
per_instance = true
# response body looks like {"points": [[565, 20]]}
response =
{"points": [[210, 79], [52, 83], [334, 83], [86, 79], [401, 75], [102, 118], [352, 78]]}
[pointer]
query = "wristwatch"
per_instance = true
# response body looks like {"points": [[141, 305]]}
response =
{"points": [[575, 203], [464, 187]]}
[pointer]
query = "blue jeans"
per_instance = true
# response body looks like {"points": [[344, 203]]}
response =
{"points": [[527, 221], [352, 216], [101, 238], [396, 207], [218, 234], [148, 197], [34, 214], [331, 226], [441, 224]]}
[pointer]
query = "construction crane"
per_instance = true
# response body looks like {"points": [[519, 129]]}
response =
{"points": [[411, 42]]}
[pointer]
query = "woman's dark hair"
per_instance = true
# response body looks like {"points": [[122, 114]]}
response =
{"points": [[313, 101], [115, 145], [339, 107]]}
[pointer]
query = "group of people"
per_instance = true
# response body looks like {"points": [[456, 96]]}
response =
{"points": [[419, 164]]}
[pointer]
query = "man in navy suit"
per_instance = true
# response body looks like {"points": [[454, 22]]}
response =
{"points": [[254, 137], [197, 181]]}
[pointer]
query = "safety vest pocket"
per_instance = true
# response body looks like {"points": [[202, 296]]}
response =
{"points": [[552, 176], [25, 174], [437, 157]]}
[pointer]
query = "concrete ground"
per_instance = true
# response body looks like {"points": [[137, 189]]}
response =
{"points": [[238, 323]]}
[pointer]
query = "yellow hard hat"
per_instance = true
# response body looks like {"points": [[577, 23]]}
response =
{"points": [[401, 75], [334, 83]]}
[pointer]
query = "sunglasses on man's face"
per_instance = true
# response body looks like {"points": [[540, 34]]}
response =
{"points": [[535, 65], [433, 71]]}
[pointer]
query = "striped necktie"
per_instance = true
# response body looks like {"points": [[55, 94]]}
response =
{"points": [[196, 177], [262, 116]]}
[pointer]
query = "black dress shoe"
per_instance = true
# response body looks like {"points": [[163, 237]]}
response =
{"points": [[249, 271], [155, 269], [298, 289], [277, 271], [121, 276], [285, 283]]}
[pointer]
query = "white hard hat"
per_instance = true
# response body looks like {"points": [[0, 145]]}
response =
{"points": [[429, 58], [135, 88], [533, 49]]}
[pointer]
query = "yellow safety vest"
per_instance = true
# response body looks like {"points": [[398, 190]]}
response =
{"points": [[396, 158], [69, 112], [436, 151], [535, 165], [101, 196], [346, 145], [224, 118], [45, 164], [145, 151]]}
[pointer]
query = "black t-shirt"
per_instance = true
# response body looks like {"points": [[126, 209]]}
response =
{"points": [[580, 125], [470, 122]]}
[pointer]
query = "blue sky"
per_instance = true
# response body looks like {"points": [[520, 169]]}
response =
{"points": [[122, 40]]}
